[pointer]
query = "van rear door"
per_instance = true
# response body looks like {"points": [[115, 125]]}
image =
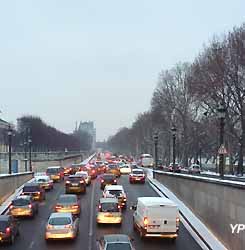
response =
{"points": [[162, 219]]}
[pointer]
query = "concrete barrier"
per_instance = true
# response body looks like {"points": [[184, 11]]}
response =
{"points": [[217, 203], [9, 183]]}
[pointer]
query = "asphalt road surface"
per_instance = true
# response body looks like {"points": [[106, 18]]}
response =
{"points": [[32, 230]]}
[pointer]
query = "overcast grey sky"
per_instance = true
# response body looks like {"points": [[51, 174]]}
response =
{"points": [[72, 60]]}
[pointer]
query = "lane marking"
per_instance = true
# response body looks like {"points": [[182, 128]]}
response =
{"points": [[31, 245], [91, 219]]}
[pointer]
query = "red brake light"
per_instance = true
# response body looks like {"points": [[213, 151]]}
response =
{"points": [[38, 192], [119, 206], [8, 230], [11, 206], [102, 181], [68, 182], [30, 205], [58, 206], [115, 181], [75, 206]]}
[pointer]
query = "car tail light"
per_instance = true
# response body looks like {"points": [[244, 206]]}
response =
{"points": [[99, 207], [102, 181], [50, 226], [68, 226], [115, 181], [8, 230], [11, 206], [38, 193], [93, 171], [177, 222], [75, 206], [118, 206], [58, 206], [30, 205], [81, 182], [68, 182], [146, 221]]}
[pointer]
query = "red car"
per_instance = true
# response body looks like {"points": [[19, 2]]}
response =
{"points": [[137, 175]]}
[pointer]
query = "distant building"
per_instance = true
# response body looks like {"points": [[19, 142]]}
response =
{"points": [[90, 129], [3, 127]]}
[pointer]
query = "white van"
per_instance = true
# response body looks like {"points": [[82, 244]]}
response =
{"points": [[156, 217], [146, 160]]}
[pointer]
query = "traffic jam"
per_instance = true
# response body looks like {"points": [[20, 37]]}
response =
{"points": [[152, 217]]}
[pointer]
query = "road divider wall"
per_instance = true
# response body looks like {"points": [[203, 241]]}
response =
{"points": [[218, 203], [9, 183]]}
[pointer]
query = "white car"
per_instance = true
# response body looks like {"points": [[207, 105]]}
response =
{"points": [[62, 226], [194, 169], [116, 191], [125, 169], [85, 175], [44, 181]]}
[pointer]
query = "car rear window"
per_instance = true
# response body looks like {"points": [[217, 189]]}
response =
{"points": [[31, 189], [20, 202], [138, 172], [59, 221], [115, 192], [52, 170], [67, 199], [74, 179], [109, 207], [112, 166], [3, 225], [118, 246], [108, 177], [41, 180]]}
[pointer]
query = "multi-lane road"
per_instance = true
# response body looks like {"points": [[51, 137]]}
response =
{"points": [[32, 230]]}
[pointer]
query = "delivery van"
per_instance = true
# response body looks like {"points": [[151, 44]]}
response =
{"points": [[146, 160], [156, 217]]}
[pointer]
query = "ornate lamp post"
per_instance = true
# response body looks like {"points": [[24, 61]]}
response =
{"points": [[155, 138], [221, 114], [10, 134], [173, 129]]}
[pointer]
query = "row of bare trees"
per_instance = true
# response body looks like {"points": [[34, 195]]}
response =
{"points": [[187, 96], [45, 137]]}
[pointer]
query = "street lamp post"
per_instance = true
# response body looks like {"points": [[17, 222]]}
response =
{"points": [[155, 138], [10, 133], [30, 142], [173, 129], [221, 114]]}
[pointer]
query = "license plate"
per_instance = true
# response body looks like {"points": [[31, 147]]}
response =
{"points": [[74, 184], [108, 215]]}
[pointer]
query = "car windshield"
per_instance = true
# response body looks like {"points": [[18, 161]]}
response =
{"points": [[109, 207], [20, 202], [3, 225], [118, 246], [52, 170], [116, 193], [31, 189], [59, 221], [138, 172], [67, 199]]}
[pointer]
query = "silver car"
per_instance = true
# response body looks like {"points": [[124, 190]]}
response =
{"points": [[115, 241], [62, 226]]}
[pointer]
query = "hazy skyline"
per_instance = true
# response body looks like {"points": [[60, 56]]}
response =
{"points": [[69, 61]]}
